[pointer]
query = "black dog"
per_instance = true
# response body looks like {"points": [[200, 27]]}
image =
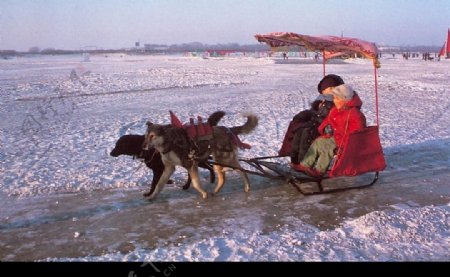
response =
{"points": [[131, 145]]}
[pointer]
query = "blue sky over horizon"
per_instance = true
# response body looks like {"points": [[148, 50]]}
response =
{"points": [[73, 24]]}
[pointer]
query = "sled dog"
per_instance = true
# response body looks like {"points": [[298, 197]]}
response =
{"points": [[177, 149], [131, 145]]}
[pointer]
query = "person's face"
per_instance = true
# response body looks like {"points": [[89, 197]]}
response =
{"points": [[327, 90], [338, 102]]}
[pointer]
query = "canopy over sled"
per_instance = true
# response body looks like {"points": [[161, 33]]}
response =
{"points": [[329, 46]]}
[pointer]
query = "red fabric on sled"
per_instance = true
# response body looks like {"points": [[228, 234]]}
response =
{"points": [[286, 147], [361, 153]]}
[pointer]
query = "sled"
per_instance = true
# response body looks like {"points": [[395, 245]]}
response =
{"points": [[362, 154]]}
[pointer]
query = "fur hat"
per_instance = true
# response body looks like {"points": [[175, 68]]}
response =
{"points": [[344, 92], [330, 80], [326, 97]]}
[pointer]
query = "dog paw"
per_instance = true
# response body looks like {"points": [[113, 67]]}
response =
{"points": [[149, 195], [205, 195], [185, 187], [150, 198], [247, 189]]}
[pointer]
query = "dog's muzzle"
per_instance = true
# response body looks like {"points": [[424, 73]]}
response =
{"points": [[148, 141]]}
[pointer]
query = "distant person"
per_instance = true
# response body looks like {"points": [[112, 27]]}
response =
{"points": [[285, 56], [309, 120], [344, 118]]}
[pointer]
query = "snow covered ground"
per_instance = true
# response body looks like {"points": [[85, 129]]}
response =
{"points": [[64, 198]]}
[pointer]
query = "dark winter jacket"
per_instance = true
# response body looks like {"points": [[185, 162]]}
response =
{"points": [[307, 131]]}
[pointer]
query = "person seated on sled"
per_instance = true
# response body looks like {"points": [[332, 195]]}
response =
{"points": [[344, 118], [310, 119]]}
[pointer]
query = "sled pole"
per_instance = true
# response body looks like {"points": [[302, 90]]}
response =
{"points": [[261, 171], [323, 62], [376, 93], [262, 158]]}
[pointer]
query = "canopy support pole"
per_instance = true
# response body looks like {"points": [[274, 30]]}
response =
{"points": [[324, 61], [376, 93]]}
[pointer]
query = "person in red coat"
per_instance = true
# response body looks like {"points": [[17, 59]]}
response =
{"points": [[307, 122], [344, 118]]}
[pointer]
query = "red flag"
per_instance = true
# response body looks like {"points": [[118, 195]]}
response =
{"points": [[448, 39], [446, 48], [442, 52], [174, 120]]}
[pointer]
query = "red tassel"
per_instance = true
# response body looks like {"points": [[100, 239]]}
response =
{"points": [[208, 129], [191, 129], [200, 127], [174, 120]]}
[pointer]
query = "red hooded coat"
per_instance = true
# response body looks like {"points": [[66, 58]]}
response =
{"points": [[345, 120]]}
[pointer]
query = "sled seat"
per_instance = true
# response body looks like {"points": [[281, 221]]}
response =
{"points": [[361, 153], [286, 146]]}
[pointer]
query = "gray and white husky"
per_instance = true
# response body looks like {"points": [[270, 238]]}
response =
{"points": [[176, 147]]}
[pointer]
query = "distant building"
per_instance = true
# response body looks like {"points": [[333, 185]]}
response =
{"points": [[386, 48], [155, 47]]}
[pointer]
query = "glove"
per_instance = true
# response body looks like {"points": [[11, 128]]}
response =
{"points": [[328, 130]]}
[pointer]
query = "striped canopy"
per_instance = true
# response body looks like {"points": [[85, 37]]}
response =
{"points": [[329, 46]]}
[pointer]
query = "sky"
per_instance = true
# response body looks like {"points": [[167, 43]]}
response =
{"points": [[75, 24]]}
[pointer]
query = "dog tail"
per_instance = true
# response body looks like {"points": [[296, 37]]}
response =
{"points": [[250, 125], [214, 118]]}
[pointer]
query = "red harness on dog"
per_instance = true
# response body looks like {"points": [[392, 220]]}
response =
{"points": [[203, 131], [199, 131]]}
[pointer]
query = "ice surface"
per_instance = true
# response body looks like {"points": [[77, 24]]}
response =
{"points": [[60, 117]]}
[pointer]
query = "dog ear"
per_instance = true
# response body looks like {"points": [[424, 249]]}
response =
{"points": [[162, 131], [149, 123]]}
